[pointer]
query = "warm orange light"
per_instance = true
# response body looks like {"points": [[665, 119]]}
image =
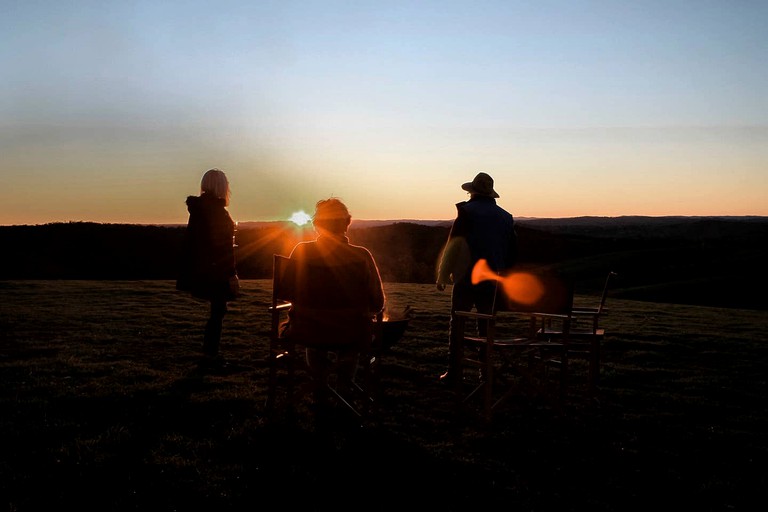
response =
{"points": [[520, 287]]}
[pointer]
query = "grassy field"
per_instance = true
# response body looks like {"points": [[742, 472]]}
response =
{"points": [[102, 407]]}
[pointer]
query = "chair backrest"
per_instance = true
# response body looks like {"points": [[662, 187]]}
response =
{"points": [[604, 295], [279, 288], [320, 286], [540, 292], [329, 303]]}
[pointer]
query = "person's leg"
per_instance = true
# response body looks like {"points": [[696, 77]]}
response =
{"points": [[484, 298], [461, 300], [318, 363], [212, 335], [485, 301], [347, 366], [319, 367]]}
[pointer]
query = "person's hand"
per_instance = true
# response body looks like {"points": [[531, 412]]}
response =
{"points": [[440, 286]]}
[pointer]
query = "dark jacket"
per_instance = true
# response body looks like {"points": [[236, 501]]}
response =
{"points": [[208, 254], [335, 289], [481, 230]]}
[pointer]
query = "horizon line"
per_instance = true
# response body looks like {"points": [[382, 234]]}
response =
{"points": [[410, 220]]}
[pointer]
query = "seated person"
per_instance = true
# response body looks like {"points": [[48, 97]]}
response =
{"points": [[335, 289]]}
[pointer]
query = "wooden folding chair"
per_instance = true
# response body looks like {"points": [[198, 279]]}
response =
{"points": [[586, 334], [512, 358], [289, 374]]}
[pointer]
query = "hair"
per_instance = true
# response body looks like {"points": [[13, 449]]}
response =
{"points": [[215, 182], [332, 215]]}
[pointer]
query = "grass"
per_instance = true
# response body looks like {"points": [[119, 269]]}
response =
{"points": [[102, 408]]}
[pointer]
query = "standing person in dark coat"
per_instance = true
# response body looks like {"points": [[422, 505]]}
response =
{"points": [[481, 230], [208, 269]]}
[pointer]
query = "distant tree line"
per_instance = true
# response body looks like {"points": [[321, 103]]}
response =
{"points": [[85, 250], [700, 261], [405, 252]]}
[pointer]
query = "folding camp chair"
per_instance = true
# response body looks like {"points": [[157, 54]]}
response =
{"points": [[586, 335], [511, 357], [290, 377]]}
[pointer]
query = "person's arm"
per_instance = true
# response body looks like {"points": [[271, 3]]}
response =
{"points": [[376, 290], [511, 249], [222, 245], [289, 279], [454, 252]]}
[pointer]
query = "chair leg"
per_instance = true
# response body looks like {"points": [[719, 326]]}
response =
{"points": [[456, 365], [355, 389], [272, 362], [272, 381], [594, 365], [564, 376], [281, 359], [488, 383], [371, 378]]}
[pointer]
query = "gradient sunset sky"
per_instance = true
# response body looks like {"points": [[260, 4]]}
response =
{"points": [[111, 111]]}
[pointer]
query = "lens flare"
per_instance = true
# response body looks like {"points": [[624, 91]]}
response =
{"points": [[520, 287], [300, 218]]}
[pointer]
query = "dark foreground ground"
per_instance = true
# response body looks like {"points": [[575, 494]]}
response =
{"points": [[103, 407]]}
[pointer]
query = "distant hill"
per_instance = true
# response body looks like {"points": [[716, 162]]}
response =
{"points": [[591, 224], [715, 261], [356, 223], [662, 227]]}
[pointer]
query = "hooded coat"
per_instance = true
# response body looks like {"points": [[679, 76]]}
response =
{"points": [[208, 254]]}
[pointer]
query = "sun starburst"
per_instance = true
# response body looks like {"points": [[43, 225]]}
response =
{"points": [[300, 218]]}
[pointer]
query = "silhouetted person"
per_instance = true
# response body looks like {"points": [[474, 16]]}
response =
{"points": [[208, 269], [335, 289], [481, 230]]}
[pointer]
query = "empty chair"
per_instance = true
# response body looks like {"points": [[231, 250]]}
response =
{"points": [[586, 334], [505, 347]]}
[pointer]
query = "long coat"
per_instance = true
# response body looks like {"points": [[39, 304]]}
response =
{"points": [[208, 254]]}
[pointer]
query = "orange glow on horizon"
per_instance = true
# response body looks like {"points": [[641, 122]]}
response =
{"points": [[520, 287]]}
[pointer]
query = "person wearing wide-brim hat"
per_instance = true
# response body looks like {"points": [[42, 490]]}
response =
{"points": [[482, 230], [482, 186]]}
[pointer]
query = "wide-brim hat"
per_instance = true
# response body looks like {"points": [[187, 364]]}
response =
{"points": [[482, 185]]}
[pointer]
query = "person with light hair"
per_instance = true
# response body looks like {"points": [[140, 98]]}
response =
{"points": [[208, 268]]}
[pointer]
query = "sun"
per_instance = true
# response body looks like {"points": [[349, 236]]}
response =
{"points": [[300, 218]]}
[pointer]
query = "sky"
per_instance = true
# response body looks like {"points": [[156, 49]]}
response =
{"points": [[111, 111]]}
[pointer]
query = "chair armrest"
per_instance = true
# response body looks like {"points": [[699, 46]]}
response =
{"points": [[281, 307], [578, 315], [555, 316], [472, 314], [588, 311], [585, 311]]}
